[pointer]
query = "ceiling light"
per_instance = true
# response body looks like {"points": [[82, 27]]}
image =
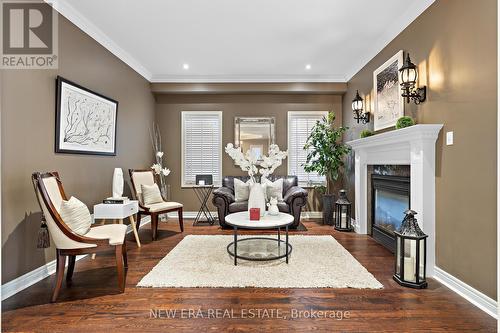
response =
{"points": [[185, 66], [308, 66]]}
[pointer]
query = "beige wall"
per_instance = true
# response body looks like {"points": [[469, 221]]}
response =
{"points": [[28, 117], [454, 44], [168, 115]]}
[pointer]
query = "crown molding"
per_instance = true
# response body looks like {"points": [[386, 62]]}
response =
{"points": [[66, 10], [246, 78], [249, 88], [93, 31], [394, 29]]}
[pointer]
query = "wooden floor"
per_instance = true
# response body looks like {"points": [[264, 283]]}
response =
{"points": [[93, 304]]}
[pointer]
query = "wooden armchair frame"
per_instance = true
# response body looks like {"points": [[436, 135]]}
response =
{"points": [[101, 245]]}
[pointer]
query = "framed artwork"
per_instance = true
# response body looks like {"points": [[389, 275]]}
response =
{"points": [[85, 120], [388, 102]]}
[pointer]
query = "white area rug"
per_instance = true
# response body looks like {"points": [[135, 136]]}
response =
{"points": [[315, 262]]}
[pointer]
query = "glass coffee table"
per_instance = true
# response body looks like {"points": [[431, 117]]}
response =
{"points": [[259, 248]]}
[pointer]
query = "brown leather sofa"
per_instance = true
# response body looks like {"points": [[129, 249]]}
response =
{"points": [[294, 198]]}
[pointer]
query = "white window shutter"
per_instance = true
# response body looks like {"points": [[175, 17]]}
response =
{"points": [[300, 125], [201, 145]]}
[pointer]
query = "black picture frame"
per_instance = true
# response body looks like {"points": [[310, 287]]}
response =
{"points": [[60, 85]]}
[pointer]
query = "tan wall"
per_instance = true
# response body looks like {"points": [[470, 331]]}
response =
{"points": [[28, 117], [454, 44], [168, 115]]}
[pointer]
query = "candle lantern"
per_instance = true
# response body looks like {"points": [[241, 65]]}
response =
{"points": [[410, 253], [343, 213]]}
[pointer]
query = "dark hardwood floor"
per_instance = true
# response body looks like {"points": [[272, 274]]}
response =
{"points": [[93, 304]]}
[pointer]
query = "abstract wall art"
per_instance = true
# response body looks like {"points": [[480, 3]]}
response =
{"points": [[389, 106], [85, 120]]}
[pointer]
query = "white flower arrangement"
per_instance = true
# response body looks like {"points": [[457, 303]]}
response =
{"points": [[158, 167], [248, 162]]}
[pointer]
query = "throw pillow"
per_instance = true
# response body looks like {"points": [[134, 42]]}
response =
{"points": [[76, 215], [151, 194], [241, 190], [274, 189]]}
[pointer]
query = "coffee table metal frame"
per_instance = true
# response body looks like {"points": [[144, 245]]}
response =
{"points": [[288, 246]]}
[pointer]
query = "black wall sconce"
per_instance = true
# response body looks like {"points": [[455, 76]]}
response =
{"points": [[408, 75], [357, 110]]}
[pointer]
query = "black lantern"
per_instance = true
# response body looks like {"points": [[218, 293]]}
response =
{"points": [[343, 213], [357, 109], [408, 75], [410, 253]]}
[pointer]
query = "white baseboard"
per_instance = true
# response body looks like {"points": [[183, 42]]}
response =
{"points": [[474, 296], [26, 280], [311, 215]]}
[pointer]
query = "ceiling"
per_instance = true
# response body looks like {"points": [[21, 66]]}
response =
{"points": [[243, 41]]}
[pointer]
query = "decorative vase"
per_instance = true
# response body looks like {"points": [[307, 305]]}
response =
{"points": [[328, 208], [257, 198], [117, 183]]}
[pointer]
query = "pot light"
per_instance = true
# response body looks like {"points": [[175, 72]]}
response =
{"points": [[308, 66], [185, 66]]}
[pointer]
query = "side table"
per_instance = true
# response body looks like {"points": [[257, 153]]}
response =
{"points": [[118, 212], [203, 193]]}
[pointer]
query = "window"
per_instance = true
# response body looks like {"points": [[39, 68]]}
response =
{"points": [[300, 124], [201, 145]]}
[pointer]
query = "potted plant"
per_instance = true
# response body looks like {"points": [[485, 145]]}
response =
{"points": [[404, 121], [326, 157]]}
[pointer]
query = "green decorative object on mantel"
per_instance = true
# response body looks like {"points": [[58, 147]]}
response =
{"points": [[404, 121], [365, 134]]}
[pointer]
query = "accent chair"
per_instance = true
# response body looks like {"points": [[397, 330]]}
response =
{"points": [[68, 243], [147, 177]]}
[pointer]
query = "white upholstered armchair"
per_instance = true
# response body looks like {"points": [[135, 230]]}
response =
{"points": [[147, 177], [69, 243]]}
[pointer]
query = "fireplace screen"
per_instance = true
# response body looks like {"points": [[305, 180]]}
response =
{"points": [[390, 199], [389, 209]]}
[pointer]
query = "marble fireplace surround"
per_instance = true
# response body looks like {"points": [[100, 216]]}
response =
{"points": [[414, 146]]}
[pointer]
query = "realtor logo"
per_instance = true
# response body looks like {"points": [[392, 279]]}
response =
{"points": [[29, 35]]}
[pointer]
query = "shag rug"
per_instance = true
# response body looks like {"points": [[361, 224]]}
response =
{"points": [[315, 262]]}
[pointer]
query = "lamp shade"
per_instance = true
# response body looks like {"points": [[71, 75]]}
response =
{"points": [[408, 73], [357, 103]]}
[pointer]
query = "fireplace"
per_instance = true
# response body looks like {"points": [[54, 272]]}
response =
{"points": [[414, 146], [390, 199]]}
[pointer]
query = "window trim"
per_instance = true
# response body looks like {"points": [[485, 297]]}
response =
{"points": [[289, 116], [183, 139]]}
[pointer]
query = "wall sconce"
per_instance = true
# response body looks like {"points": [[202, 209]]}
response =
{"points": [[357, 109], [408, 75]]}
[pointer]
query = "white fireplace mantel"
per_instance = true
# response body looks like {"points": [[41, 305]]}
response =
{"points": [[414, 146]]}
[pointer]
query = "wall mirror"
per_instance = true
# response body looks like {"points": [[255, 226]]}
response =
{"points": [[254, 134]]}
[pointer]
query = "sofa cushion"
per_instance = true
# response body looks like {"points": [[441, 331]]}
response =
{"points": [[273, 189], [243, 206], [288, 181], [228, 181], [240, 206], [241, 190]]}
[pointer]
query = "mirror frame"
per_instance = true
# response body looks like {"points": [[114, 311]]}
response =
{"points": [[271, 121]]}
